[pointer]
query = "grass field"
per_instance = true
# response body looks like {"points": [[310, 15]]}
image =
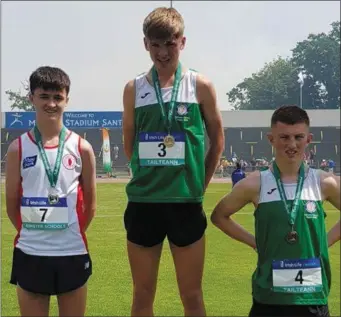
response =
{"points": [[228, 268]]}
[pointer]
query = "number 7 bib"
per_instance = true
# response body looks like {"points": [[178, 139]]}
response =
{"points": [[156, 150], [297, 276], [38, 214]]}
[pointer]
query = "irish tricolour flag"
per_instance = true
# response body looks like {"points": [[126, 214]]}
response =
{"points": [[106, 151]]}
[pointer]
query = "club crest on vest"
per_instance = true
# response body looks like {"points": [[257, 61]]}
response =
{"points": [[182, 110], [310, 208], [69, 161]]}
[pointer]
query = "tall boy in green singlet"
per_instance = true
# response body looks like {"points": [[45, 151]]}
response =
{"points": [[166, 111], [293, 275]]}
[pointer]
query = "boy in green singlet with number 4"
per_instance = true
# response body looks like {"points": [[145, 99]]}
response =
{"points": [[166, 111], [293, 275]]}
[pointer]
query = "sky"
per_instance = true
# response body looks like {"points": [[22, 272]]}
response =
{"points": [[100, 44]]}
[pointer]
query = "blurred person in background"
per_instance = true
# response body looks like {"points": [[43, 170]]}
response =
{"points": [[238, 174]]}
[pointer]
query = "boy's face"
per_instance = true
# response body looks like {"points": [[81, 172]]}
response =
{"points": [[290, 141], [49, 103], [165, 53]]}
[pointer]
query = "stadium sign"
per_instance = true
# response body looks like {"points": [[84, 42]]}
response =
{"points": [[72, 120]]}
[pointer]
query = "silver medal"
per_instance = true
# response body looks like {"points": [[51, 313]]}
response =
{"points": [[53, 196]]}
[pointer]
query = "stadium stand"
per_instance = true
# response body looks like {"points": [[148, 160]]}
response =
{"points": [[253, 142]]}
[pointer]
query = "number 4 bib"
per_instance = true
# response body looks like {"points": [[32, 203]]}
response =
{"points": [[154, 152], [297, 276], [38, 214]]}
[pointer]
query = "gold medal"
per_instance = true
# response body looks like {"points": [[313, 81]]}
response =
{"points": [[169, 141]]}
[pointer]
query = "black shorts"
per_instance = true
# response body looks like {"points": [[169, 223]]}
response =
{"points": [[147, 224], [260, 310], [50, 275]]}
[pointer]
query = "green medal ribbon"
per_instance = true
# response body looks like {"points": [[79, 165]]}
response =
{"points": [[51, 175], [293, 213], [167, 119]]}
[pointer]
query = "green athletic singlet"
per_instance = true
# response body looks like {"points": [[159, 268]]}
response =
{"points": [[161, 173], [295, 273]]}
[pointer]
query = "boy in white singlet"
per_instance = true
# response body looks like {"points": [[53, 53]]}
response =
{"points": [[50, 200]]}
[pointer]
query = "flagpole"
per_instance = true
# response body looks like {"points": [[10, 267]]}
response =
{"points": [[301, 105]]}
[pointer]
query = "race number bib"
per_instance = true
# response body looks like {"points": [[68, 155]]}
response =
{"points": [[38, 214], [297, 276], [153, 151]]}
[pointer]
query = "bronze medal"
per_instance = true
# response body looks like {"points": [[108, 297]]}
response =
{"points": [[292, 237]]}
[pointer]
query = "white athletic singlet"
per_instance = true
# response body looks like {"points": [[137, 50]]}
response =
{"points": [[51, 229]]}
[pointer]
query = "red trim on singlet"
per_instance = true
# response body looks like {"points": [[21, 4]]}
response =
{"points": [[80, 214], [48, 147], [19, 220], [79, 145], [80, 204]]}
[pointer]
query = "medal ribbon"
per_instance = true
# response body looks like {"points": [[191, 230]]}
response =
{"points": [[51, 175], [157, 86], [293, 213]]}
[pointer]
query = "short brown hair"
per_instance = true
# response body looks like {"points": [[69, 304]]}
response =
{"points": [[290, 114], [49, 78], [163, 23]]}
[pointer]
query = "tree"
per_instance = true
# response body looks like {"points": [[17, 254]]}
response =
{"points": [[319, 57], [275, 84], [19, 100]]}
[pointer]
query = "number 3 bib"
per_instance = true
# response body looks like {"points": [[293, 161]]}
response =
{"points": [[154, 151], [38, 214], [297, 276]]}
